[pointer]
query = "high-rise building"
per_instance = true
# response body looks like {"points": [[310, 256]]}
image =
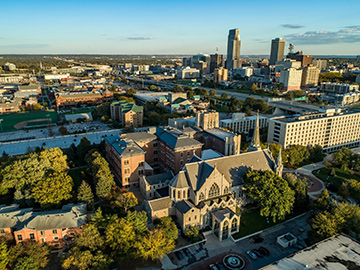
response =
{"points": [[320, 63], [233, 50], [277, 50], [310, 76], [220, 74], [291, 79], [305, 59], [215, 61], [207, 119]]}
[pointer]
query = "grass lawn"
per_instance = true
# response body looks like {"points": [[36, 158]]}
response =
{"points": [[9, 120], [324, 174], [251, 222]]}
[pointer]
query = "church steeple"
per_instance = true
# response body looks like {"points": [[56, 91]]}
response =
{"points": [[279, 165], [255, 142]]}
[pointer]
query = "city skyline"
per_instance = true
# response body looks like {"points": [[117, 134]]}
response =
{"points": [[140, 27]]}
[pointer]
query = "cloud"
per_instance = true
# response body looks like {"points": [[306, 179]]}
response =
{"points": [[25, 46], [347, 34], [140, 38], [292, 26]]}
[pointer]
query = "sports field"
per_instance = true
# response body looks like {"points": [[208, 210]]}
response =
{"points": [[21, 119]]}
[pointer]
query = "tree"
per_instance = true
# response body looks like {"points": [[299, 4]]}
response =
{"points": [[212, 92], [192, 233], [154, 245], [4, 255], [343, 157], [316, 153], [296, 154], [89, 238], [63, 130], [168, 227], [153, 88], [37, 107], [124, 199], [53, 189], [299, 185], [55, 159], [85, 194], [34, 250], [224, 96], [83, 148], [26, 263], [78, 259], [190, 93], [344, 190], [323, 201], [326, 224], [271, 192], [130, 92]]}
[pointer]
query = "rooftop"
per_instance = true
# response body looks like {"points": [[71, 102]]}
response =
{"points": [[220, 133], [125, 148], [159, 204], [159, 178], [138, 136], [335, 253], [176, 139]]}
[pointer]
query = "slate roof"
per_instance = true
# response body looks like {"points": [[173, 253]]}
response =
{"points": [[158, 178], [11, 216], [183, 206], [220, 133], [160, 204], [176, 139], [70, 216], [179, 180], [125, 148], [232, 167], [222, 214], [138, 136]]}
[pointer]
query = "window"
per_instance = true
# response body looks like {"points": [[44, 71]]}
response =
{"points": [[2, 231], [214, 190], [174, 193], [155, 152], [141, 172], [182, 153], [19, 237], [43, 240], [184, 194], [63, 229], [226, 190], [188, 153], [56, 238], [54, 231], [179, 194], [42, 233], [127, 171], [155, 144], [181, 162], [32, 237], [141, 163], [201, 196], [127, 179], [126, 162]]}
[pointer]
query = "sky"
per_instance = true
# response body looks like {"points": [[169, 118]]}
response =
{"points": [[184, 27]]}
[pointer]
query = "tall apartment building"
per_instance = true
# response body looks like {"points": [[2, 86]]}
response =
{"points": [[220, 74], [320, 63], [233, 50], [207, 119], [127, 113], [277, 50], [216, 61], [332, 129], [310, 76], [338, 88], [305, 59], [241, 124], [291, 79], [244, 71]]}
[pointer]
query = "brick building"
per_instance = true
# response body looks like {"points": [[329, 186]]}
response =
{"points": [[127, 113], [71, 99], [54, 228]]}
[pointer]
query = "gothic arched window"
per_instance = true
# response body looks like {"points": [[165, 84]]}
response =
{"points": [[214, 190]]}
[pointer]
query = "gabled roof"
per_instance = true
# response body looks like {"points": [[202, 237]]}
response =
{"points": [[159, 178], [183, 206], [197, 173], [179, 180], [138, 136], [160, 204], [125, 148]]}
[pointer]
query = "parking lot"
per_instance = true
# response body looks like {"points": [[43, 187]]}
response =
{"points": [[188, 255], [298, 227]]}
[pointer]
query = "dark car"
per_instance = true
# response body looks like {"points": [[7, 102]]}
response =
{"points": [[264, 251], [187, 252], [179, 256], [220, 266], [257, 252]]}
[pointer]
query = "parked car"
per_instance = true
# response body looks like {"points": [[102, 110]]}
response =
{"points": [[187, 252], [257, 253], [213, 267], [264, 251], [179, 256], [252, 255], [220, 266]]}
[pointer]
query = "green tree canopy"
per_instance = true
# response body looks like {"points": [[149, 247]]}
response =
{"points": [[39, 254], [271, 192], [323, 201], [52, 189], [168, 227], [85, 194], [89, 238], [123, 199]]}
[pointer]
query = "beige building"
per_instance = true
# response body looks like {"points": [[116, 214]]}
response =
{"points": [[332, 129], [155, 186], [127, 113], [241, 124], [206, 193], [220, 74], [291, 79], [310, 76], [207, 119]]}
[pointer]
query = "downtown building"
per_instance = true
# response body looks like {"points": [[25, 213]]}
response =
{"points": [[277, 50], [233, 50], [241, 124], [332, 129]]}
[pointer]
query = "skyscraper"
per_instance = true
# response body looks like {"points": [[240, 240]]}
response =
{"points": [[233, 51], [277, 50]]}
